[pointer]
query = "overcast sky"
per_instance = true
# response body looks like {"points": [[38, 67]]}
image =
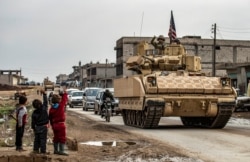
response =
{"points": [[48, 37]]}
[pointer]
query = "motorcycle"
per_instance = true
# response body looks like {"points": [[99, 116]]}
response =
{"points": [[107, 109]]}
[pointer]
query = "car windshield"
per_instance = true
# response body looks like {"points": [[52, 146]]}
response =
{"points": [[70, 91], [77, 94], [91, 92]]}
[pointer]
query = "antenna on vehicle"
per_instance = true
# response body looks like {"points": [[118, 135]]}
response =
{"points": [[141, 23]]}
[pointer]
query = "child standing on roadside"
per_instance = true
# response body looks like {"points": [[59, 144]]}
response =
{"points": [[39, 123], [57, 121], [21, 120]]}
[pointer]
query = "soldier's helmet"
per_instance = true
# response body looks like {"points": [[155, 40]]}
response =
{"points": [[161, 37]]}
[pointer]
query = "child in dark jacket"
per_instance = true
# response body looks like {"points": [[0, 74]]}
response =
{"points": [[39, 123]]}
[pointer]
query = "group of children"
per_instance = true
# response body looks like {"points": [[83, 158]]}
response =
{"points": [[41, 118]]}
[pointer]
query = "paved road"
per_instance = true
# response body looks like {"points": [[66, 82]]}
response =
{"points": [[229, 144]]}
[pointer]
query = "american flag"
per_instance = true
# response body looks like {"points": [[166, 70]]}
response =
{"points": [[172, 30]]}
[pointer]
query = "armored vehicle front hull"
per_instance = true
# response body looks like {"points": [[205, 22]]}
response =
{"points": [[198, 100]]}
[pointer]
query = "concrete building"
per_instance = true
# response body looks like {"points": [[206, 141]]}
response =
{"points": [[99, 75], [12, 77], [61, 78], [227, 51], [239, 74], [94, 74]]}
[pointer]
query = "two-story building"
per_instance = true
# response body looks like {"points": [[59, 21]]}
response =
{"points": [[94, 74]]}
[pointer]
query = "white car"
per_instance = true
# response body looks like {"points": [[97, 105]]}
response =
{"points": [[89, 96], [75, 98], [69, 92], [242, 102]]}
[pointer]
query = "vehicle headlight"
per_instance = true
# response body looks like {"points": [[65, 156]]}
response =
{"points": [[225, 81]]}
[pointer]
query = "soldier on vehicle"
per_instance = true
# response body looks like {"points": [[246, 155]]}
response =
{"points": [[159, 44]]}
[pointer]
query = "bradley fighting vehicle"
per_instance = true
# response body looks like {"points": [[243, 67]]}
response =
{"points": [[172, 84], [48, 84]]}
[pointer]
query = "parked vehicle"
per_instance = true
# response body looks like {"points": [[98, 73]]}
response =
{"points": [[99, 102], [242, 102], [75, 98], [89, 96], [69, 92]]}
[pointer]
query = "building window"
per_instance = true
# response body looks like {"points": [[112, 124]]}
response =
{"points": [[119, 52], [93, 71], [119, 69]]}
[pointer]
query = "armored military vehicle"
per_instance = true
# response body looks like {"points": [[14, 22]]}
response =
{"points": [[48, 84], [172, 84]]}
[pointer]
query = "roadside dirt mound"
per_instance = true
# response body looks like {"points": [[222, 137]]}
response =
{"points": [[128, 147], [5, 87]]}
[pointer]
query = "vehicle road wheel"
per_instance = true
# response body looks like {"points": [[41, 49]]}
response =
{"points": [[85, 107], [117, 113], [99, 111], [108, 114]]}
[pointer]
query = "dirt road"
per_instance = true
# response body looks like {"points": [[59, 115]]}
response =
{"points": [[228, 144]]}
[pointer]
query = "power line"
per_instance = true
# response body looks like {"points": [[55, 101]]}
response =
{"points": [[233, 32], [236, 36], [227, 31], [220, 33], [230, 28]]}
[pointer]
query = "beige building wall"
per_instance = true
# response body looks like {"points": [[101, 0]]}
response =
{"points": [[7, 79]]}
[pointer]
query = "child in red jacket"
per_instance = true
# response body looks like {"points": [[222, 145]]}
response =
{"points": [[57, 121]]}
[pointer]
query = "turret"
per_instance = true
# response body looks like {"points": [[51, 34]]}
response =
{"points": [[174, 58]]}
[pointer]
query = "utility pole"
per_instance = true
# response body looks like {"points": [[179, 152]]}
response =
{"points": [[214, 51]]}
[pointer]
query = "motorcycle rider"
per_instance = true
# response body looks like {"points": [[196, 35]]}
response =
{"points": [[106, 94]]}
